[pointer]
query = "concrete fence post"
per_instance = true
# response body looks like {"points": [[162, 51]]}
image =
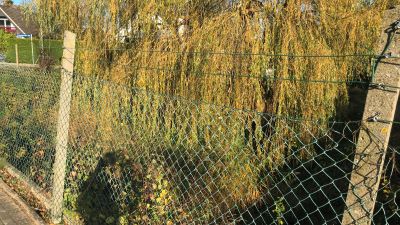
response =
{"points": [[60, 162], [16, 55], [373, 139], [32, 51]]}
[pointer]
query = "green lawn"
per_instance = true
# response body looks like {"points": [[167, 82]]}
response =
{"points": [[52, 47]]}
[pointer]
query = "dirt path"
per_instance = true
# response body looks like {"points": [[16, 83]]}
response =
{"points": [[14, 211]]}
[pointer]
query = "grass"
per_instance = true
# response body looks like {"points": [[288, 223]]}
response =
{"points": [[2, 163], [53, 48]]}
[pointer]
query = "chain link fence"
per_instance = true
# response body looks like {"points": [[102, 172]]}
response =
{"points": [[135, 156]]}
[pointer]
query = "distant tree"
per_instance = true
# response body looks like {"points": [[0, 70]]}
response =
{"points": [[8, 2], [4, 40]]}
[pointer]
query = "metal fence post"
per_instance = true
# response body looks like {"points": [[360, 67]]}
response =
{"points": [[63, 127]]}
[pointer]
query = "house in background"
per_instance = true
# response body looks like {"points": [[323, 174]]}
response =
{"points": [[12, 20]]}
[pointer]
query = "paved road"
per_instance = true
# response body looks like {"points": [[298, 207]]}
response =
{"points": [[13, 211]]}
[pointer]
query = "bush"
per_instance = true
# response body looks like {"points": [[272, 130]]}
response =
{"points": [[5, 40]]}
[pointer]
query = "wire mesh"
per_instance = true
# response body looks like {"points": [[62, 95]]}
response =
{"points": [[136, 156], [29, 100]]}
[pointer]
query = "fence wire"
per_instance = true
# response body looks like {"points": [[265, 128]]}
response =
{"points": [[135, 156]]}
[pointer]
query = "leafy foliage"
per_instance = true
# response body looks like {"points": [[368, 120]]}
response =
{"points": [[4, 40], [27, 127], [231, 56]]}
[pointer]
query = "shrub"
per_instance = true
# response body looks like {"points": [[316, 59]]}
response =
{"points": [[4, 40]]}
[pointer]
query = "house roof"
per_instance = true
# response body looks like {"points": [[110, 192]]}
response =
{"points": [[18, 19]]}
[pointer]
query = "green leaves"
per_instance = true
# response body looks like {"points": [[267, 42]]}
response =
{"points": [[5, 41]]}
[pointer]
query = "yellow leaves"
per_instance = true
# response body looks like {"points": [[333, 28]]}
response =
{"points": [[163, 194], [170, 67], [22, 152]]}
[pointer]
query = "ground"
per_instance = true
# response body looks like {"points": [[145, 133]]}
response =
{"points": [[52, 47], [13, 211]]}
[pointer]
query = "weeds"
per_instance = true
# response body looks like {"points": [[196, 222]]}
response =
{"points": [[3, 163]]}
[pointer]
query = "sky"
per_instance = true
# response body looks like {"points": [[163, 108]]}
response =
{"points": [[17, 1]]}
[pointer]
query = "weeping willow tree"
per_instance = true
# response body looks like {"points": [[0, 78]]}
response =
{"points": [[211, 79], [296, 27]]}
